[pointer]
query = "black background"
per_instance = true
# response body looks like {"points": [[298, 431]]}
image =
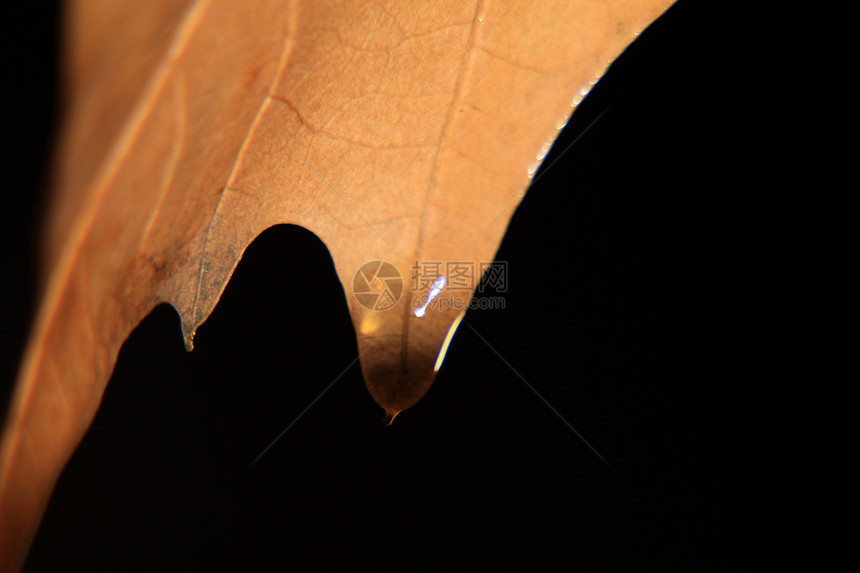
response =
{"points": [[636, 307]]}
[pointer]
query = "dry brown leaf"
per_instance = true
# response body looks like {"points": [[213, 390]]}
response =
{"points": [[395, 131]]}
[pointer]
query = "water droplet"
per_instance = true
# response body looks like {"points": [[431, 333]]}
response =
{"points": [[544, 150]]}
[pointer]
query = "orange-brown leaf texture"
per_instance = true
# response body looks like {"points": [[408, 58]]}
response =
{"points": [[395, 131]]}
